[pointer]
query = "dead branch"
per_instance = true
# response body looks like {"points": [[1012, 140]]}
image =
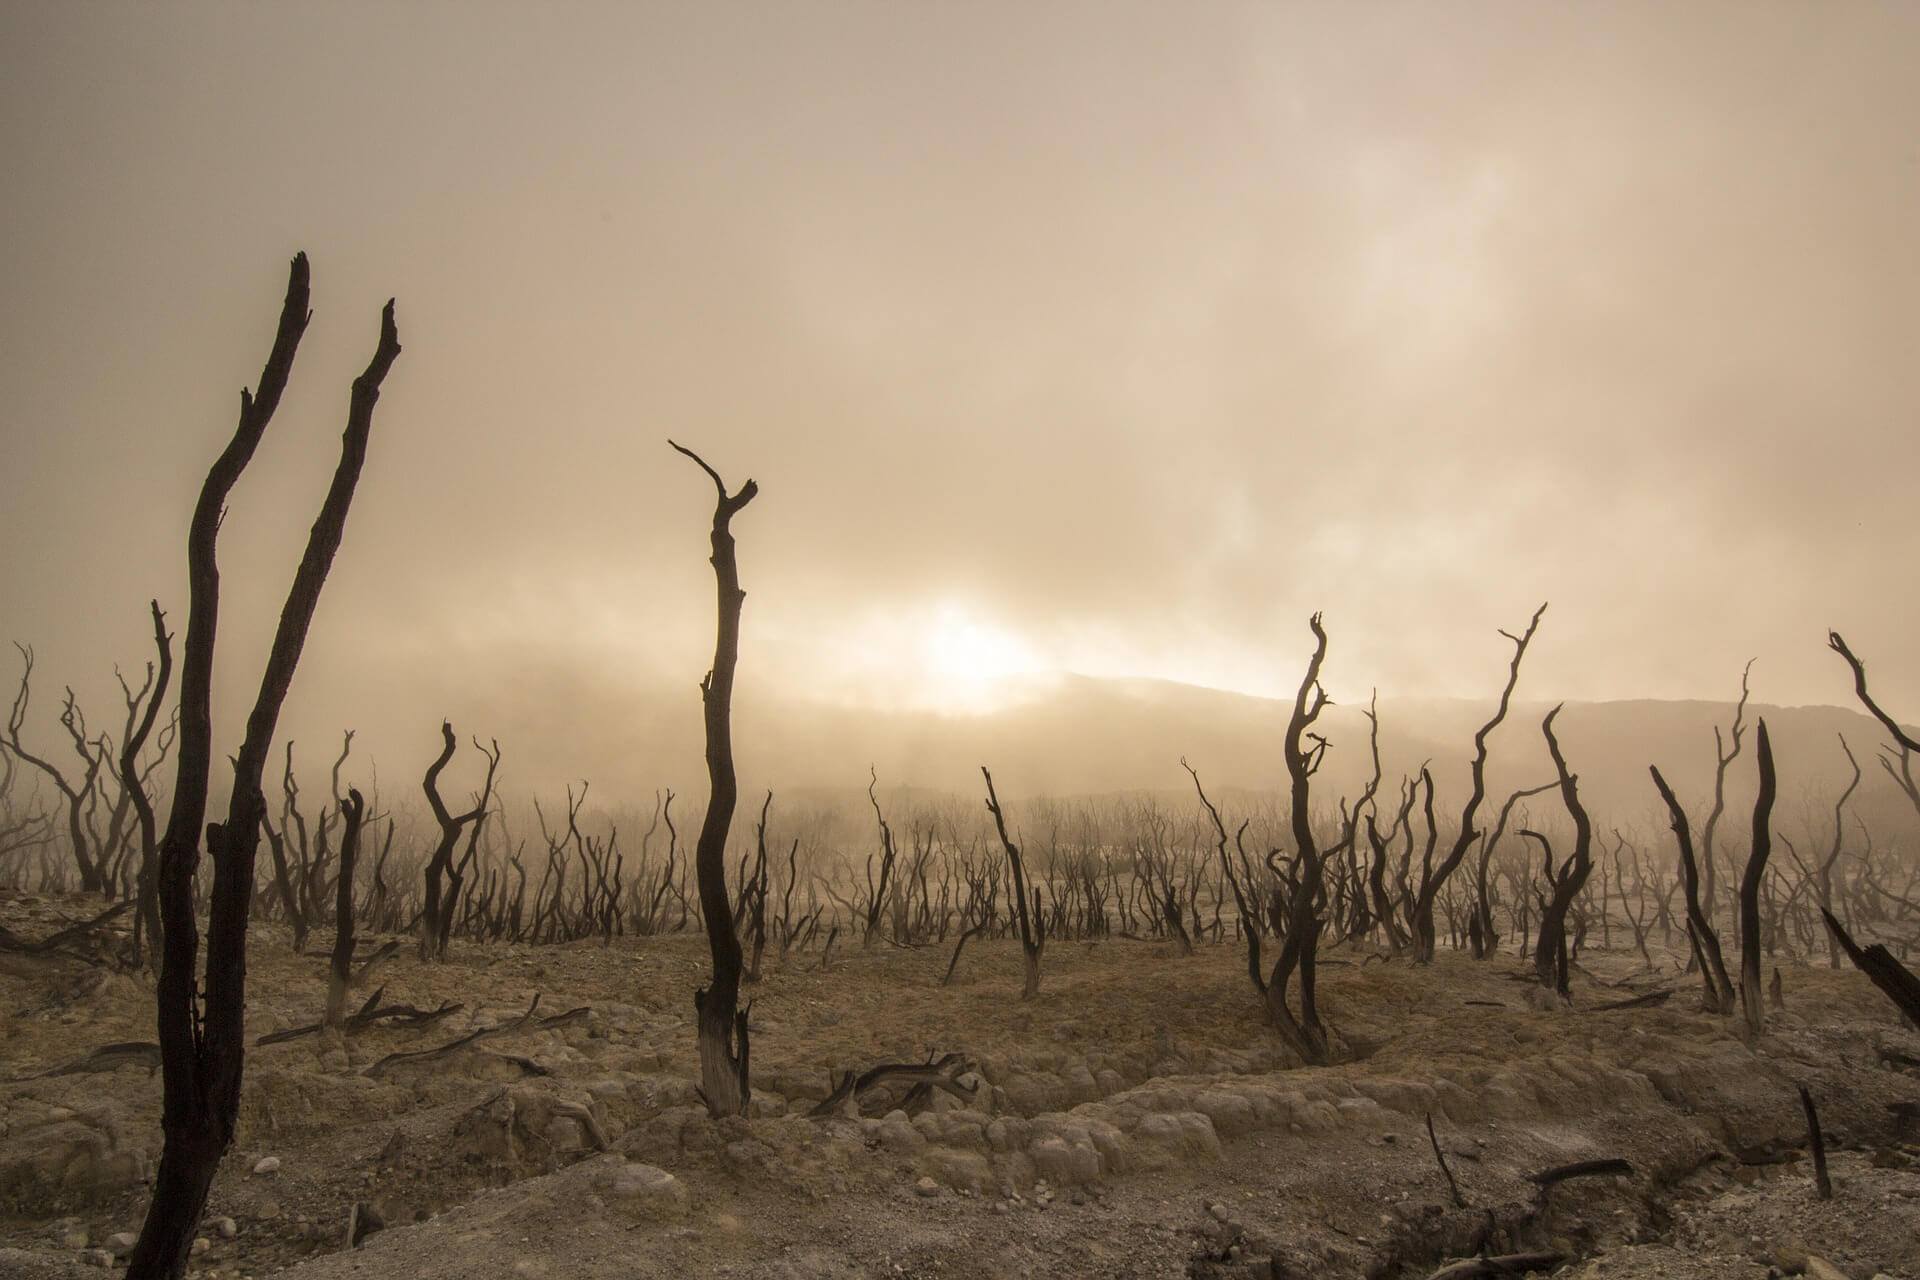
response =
{"points": [[1453, 1188], [1511, 1264], [108, 1057], [454, 1046], [943, 1074]]}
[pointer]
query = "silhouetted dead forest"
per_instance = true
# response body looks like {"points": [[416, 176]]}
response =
{"points": [[906, 867]]}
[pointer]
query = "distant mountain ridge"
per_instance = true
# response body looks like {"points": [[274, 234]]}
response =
{"points": [[1083, 735], [1086, 735]]}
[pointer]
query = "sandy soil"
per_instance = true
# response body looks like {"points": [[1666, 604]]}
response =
{"points": [[1137, 1119]]}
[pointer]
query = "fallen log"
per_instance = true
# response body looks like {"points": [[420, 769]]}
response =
{"points": [[1549, 1178], [10, 941], [1894, 979], [942, 1074], [1511, 1264]]}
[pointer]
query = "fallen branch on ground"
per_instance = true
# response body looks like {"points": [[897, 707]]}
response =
{"points": [[1546, 1179], [1637, 1002], [108, 1057], [520, 1023], [370, 1013], [12, 942], [1511, 1264], [943, 1075]]}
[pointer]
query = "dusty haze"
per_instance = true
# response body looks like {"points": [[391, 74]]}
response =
{"points": [[1108, 339]]}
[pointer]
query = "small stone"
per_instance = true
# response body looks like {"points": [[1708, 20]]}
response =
{"points": [[266, 1165], [926, 1187], [121, 1243], [1218, 1210], [226, 1227], [200, 1245], [97, 1258], [642, 1191]]}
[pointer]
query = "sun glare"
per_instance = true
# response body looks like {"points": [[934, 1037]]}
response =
{"points": [[967, 663]]}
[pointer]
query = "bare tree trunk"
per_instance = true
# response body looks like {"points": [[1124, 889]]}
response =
{"points": [[1723, 756], [147, 922], [1033, 926], [723, 1026], [1430, 884], [1752, 1002], [1303, 750], [203, 1042], [340, 963], [1706, 943], [1549, 957], [436, 922]]}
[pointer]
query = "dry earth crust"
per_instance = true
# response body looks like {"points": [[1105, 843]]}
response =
{"points": [[1137, 1119]]}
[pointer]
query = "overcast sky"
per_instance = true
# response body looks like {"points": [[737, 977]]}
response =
{"points": [[1108, 338]]}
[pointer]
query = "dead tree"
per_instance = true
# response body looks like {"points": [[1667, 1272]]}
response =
{"points": [[147, 921], [1481, 934], [877, 894], [1718, 996], [340, 964], [1033, 927], [1431, 881], [25, 828], [1751, 1000], [1903, 774], [723, 1025], [1723, 756], [436, 922], [1548, 956], [1303, 750], [1895, 981], [1823, 876], [77, 794], [202, 1040], [752, 911]]}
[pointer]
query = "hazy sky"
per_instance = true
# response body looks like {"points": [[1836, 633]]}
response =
{"points": [[1112, 338]]}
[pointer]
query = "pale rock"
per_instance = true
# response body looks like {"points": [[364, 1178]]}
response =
{"points": [[640, 1192]]}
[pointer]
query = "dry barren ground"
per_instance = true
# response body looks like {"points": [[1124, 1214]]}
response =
{"points": [[1137, 1119]]}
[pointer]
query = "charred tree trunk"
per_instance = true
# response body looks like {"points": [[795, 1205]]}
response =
{"points": [[1752, 1001], [1549, 957], [723, 1026], [202, 1041], [877, 894], [147, 919], [436, 922], [1718, 995], [340, 963], [1303, 750], [1033, 926], [1431, 883]]}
